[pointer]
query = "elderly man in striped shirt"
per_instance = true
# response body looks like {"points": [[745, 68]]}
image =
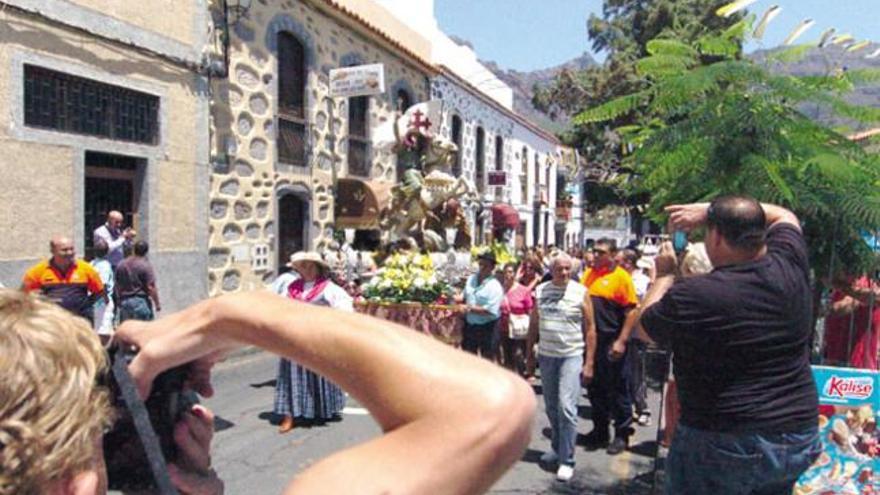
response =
{"points": [[563, 316]]}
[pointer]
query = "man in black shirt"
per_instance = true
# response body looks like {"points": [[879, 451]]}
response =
{"points": [[740, 339]]}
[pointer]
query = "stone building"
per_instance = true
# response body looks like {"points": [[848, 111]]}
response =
{"points": [[281, 146], [104, 105]]}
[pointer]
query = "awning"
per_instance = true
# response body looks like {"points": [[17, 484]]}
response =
{"points": [[359, 202], [504, 216]]}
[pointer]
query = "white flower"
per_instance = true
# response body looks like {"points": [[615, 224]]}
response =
{"points": [[432, 280], [385, 284], [417, 259], [419, 282], [374, 282]]}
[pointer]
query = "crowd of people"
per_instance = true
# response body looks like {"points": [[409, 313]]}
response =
{"points": [[736, 312]]}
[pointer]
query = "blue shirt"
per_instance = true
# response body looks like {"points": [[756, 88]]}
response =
{"points": [[488, 295]]}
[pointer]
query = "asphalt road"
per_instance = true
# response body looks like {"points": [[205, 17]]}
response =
{"points": [[253, 458]]}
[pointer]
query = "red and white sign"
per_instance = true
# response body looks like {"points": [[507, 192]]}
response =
{"points": [[849, 387]]}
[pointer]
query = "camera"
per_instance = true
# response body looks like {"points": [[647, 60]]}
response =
{"points": [[679, 241], [141, 440]]}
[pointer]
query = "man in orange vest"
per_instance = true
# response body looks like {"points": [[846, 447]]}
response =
{"points": [[614, 303]]}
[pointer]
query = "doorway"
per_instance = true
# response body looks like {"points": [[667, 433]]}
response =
{"points": [[293, 220], [112, 182]]}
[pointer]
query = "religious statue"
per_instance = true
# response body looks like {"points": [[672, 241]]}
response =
{"points": [[425, 184]]}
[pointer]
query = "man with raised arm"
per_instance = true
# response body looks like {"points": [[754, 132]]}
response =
{"points": [[740, 337]]}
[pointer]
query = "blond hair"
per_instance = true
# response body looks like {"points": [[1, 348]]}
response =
{"points": [[52, 412]]}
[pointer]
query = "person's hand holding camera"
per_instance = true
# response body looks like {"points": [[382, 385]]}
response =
{"points": [[192, 474], [162, 346], [666, 261]]}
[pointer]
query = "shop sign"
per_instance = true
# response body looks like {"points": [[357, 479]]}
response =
{"points": [[497, 178], [360, 80]]}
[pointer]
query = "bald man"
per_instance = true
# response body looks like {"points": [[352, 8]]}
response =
{"points": [[71, 283], [116, 238]]}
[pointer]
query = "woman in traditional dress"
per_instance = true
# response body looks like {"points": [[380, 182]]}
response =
{"points": [[300, 393]]}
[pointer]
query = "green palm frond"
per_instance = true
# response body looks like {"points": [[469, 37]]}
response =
{"points": [[613, 109], [671, 47], [718, 47], [664, 65]]}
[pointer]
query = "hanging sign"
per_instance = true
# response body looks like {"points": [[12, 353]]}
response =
{"points": [[360, 80], [497, 177]]}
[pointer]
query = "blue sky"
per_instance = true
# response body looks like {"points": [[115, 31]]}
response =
{"points": [[535, 34]]}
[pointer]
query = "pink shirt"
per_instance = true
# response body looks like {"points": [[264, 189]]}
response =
{"points": [[518, 301]]}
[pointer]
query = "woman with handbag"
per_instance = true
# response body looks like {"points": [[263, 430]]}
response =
{"points": [[514, 325]]}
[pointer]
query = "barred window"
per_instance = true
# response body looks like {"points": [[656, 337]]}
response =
{"points": [[358, 136], [456, 138], [480, 160], [67, 103], [291, 140]]}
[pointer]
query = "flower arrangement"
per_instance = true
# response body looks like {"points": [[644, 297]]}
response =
{"points": [[407, 278], [501, 250]]}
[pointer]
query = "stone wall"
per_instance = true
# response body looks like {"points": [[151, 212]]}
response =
{"points": [[247, 177]]}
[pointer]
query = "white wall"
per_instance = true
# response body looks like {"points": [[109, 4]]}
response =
{"points": [[419, 15]]}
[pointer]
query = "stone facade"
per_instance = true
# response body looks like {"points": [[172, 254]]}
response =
{"points": [[47, 170], [247, 180]]}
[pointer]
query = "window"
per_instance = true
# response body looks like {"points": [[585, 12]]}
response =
{"points": [[66, 103], [456, 138], [403, 100], [480, 160], [524, 176], [291, 100], [537, 177], [499, 153], [358, 136]]}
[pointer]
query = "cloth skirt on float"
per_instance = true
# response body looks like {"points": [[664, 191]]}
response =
{"points": [[300, 393]]}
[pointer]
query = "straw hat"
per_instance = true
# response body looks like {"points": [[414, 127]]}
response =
{"points": [[307, 256]]}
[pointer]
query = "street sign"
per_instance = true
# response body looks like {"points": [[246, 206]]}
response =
{"points": [[497, 178], [360, 80]]}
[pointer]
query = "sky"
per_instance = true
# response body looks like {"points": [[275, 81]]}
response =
{"points": [[535, 34]]}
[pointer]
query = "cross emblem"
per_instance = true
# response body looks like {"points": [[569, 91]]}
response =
{"points": [[418, 123]]}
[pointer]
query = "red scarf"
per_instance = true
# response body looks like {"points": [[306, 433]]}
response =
{"points": [[297, 289]]}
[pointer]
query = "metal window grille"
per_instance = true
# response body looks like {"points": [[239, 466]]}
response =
{"points": [[291, 142], [358, 157], [358, 136], [480, 161], [291, 76], [63, 102]]}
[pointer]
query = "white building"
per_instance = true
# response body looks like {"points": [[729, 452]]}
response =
{"points": [[508, 158]]}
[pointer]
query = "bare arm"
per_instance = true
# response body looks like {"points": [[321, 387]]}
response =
{"points": [[589, 327], [690, 216], [531, 340], [666, 264], [154, 295], [456, 442]]}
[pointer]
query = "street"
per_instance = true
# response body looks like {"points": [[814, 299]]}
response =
{"points": [[252, 457]]}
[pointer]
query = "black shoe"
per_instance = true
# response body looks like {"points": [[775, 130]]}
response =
{"points": [[617, 446], [596, 439]]}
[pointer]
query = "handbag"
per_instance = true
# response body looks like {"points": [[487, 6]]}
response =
{"points": [[518, 326]]}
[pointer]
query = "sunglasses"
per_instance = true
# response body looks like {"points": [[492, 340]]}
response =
{"points": [[600, 251]]}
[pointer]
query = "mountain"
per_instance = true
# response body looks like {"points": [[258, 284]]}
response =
{"points": [[523, 82], [815, 62], [830, 60]]}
